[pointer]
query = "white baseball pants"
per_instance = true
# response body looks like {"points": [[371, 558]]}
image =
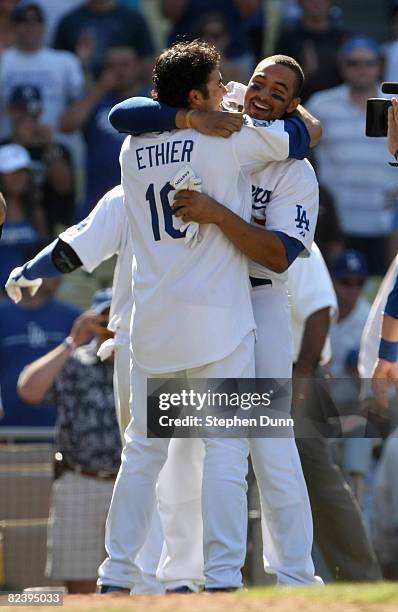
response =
{"points": [[286, 512], [224, 504]]}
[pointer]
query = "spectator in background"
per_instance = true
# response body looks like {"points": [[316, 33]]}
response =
{"points": [[6, 29], [53, 11], [57, 75], [353, 167], [384, 519], [349, 273], [120, 79], [51, 162], [25, 223], [184, 15], [92, 29], [328, 235], [314, 42], [28, 330], [212, 28], [87, 445]]}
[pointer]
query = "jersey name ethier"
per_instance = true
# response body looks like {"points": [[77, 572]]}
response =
{"points": [[164, 153]]}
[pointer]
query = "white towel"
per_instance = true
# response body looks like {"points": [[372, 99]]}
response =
{"points": [[107, 348], [186, 179]]}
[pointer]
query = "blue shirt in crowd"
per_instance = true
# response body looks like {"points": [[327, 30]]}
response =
{"points": [[25, 335]]}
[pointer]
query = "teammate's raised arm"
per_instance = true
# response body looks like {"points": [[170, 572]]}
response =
{"points": [[84, 244]]}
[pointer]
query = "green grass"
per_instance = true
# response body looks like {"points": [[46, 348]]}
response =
{"points": [[380, 592]]}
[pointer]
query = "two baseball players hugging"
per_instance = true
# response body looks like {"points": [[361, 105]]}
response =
{"points": [[208, 270]]}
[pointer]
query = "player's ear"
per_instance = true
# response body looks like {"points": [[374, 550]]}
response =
{"points": [[293, 104], [195, 98]]}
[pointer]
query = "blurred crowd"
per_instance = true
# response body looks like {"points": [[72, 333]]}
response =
{"points": [[65, 63]]}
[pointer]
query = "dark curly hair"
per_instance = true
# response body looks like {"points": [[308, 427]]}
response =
{"points": [[181, 68]]}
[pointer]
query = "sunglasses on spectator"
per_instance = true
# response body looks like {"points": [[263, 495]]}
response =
{"points": [[353, 63], [352, 282]]}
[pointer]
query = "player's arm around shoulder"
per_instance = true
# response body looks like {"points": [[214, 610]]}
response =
{"points": [[139, 115], [260, 142]]}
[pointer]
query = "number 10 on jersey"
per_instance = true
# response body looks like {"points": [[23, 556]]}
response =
{"points": [[166, 209]]}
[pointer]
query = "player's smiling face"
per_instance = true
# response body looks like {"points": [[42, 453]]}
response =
{"points": [[270, 93]]}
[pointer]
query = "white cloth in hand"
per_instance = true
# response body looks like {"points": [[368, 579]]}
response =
{"points": [[107, 348], [234, 99], [16, 280], [186, 179]]}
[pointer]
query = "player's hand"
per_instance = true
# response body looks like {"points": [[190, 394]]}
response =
{"points": [[194, 206], [84, 327], [392, 130], [216, 123], [16, 281], [385, 373]]}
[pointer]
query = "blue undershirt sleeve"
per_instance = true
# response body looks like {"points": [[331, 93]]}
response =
{"points": [[42, 266], [292, 246], [139, 115], [299, 138], [391, 308]]}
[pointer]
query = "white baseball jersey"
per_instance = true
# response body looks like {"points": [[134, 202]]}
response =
{"points": [[310, 289], [191, 306], [370, 340], [104, 233], [285, 198]]}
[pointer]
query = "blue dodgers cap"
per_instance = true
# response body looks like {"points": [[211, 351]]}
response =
{"points": [[27, 97], [102, 300], [359, 42], [349, 262]]}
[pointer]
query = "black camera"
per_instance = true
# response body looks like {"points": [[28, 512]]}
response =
{"points": [[376, 111]]}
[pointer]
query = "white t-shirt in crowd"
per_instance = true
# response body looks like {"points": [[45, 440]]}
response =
{"points": [[345, 335], [352, 166], [57, 75]]}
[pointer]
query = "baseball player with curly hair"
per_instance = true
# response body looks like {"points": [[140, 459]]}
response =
{"points": [[175, 285]]}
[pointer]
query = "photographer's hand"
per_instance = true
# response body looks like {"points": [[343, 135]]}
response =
{"points": [[392, 130]]}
